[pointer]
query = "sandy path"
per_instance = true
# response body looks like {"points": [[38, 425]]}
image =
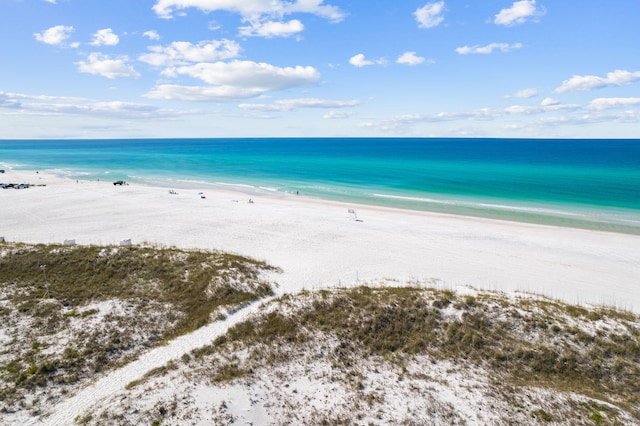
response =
{"points": [[65, 412]]}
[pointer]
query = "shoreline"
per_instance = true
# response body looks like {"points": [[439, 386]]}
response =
{"points": [[547, 213], [319, 244]]}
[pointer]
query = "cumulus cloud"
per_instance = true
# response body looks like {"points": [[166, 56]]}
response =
{"points": [[410, 58], [293, 104], [251, 74], [359, 61], [608, 103], [105, 37], [151, 35], [255, 9], [269, 29], [519, 13], [430, 15], [183, 52], [55, 36], [235, 80], [489, 48], [105, 66], [589, 82], [524, 93]]}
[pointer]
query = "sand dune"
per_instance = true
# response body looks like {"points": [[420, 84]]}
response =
{"points": [[317, 244]]}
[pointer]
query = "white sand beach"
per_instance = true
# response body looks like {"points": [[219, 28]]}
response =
{"points": [[320, 244], [317, 244]]}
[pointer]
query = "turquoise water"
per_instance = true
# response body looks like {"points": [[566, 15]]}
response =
{"points": [[580, 183]]}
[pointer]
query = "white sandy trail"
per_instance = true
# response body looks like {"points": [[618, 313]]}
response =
{"points": [[116, 381]]}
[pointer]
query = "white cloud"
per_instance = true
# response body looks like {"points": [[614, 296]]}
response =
{"points": [[105, 66], [489, 48], [8, 101], [518, 13], [50, 1], [61, 105], [410, 58], [151, 35], [589, 82], [262, 76], [524, 93], [235, 80], [549, 102], [359, 61], [546, 105], [42, 97], [337, 115], [293, 104], [183, 52], [55, 36], [203, 93], [213, 26], [270, 29], [430, 15], [608, 103], [105, 37], [254, 9]]}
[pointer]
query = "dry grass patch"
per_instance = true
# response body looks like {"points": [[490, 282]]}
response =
{"points": [[515, 341], [70, 312]]}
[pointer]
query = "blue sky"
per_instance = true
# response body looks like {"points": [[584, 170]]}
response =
{"points": [[307, 68]]}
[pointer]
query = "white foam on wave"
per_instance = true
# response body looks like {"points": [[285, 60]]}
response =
{"points": [[11, 166], [65, 173], [504, 207], [266, 188]]}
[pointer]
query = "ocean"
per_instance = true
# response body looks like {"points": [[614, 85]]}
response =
{"points": [[583, 183]]}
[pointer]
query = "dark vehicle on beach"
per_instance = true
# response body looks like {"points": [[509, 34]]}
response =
{"points": [[118, 182]]}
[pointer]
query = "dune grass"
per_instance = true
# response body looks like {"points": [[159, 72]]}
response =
{"points": [[530, 342], [49, 294]]}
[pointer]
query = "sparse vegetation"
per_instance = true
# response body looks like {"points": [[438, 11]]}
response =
{"points": [[92, 309], [72, 311], [595, 353]]}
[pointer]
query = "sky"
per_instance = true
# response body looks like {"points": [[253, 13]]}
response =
{"points": [[319, 68]]}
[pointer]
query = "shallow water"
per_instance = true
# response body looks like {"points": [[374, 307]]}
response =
{"points": [[591, 184]]}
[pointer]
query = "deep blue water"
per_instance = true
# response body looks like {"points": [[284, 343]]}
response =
{"points": [[583, 183]]}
